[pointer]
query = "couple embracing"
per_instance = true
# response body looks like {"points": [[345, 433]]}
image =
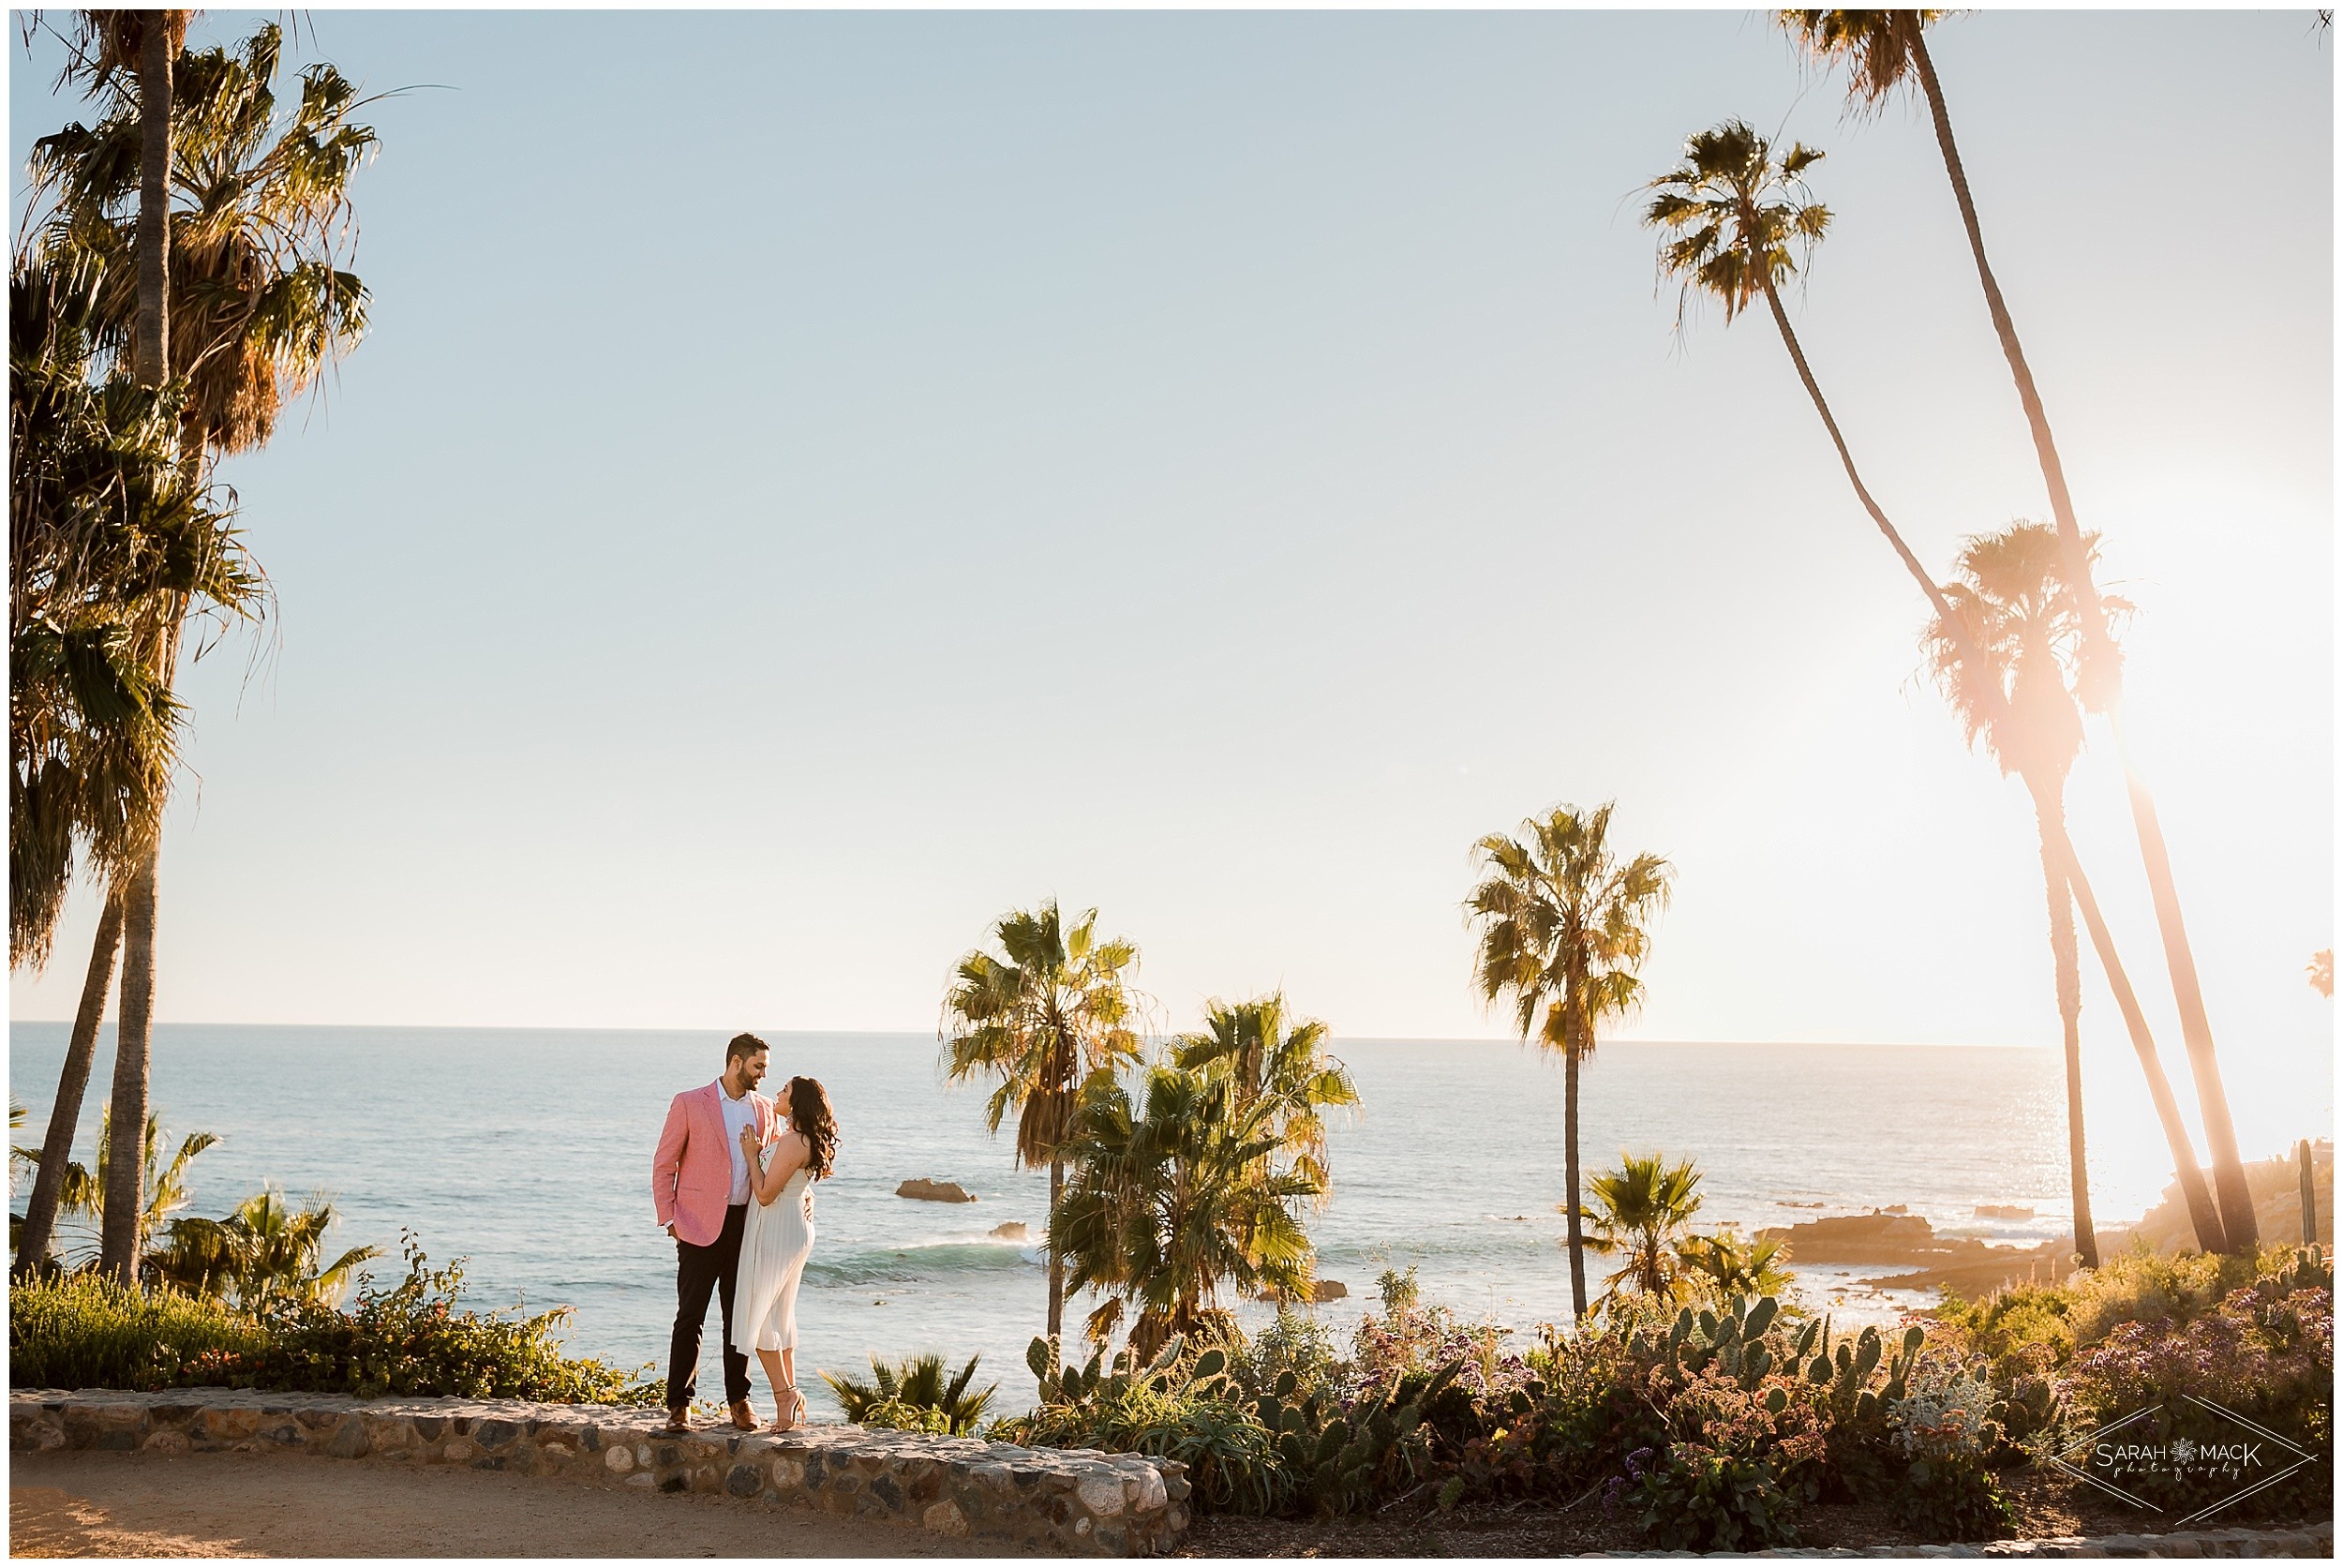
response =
{"points": [[733, 1183]]}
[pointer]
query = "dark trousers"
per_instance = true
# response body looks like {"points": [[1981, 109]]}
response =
{"points": [[699, 1270]]}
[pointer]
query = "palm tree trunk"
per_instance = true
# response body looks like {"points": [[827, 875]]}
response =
{"points": [[118, 1243], [1570, 1183], [2195, 1029], [118, 1246], [1057, 1265], [2103, 670], [41, 1209], [151, 357], [2068, 970], [2203, 1216], [2191, 1177], [1862, 492], [2306, 1181]]}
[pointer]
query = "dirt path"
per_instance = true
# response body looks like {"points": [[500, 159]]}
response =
{"points": [[82, 1504]]}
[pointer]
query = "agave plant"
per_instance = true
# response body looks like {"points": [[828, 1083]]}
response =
{"points": [[918, 1383]]}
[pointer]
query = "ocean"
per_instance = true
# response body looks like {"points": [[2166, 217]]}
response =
{"points": [[528, 1152]]}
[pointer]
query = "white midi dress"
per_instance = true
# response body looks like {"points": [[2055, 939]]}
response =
{"points": [[773, 1249]]}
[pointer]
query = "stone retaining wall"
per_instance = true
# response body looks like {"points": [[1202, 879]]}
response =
{"points": [[1080, 1501]]}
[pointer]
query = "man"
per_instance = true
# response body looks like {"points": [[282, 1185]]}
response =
{"points": [[700, 1189]]}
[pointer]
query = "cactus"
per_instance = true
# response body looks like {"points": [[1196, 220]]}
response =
{"points": [[1099, 1379]]}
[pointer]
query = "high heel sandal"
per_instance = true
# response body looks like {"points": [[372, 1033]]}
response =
{"points": [[795, 1420]]}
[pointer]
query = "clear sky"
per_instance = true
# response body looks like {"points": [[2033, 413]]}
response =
{"points": [[816, 482]]}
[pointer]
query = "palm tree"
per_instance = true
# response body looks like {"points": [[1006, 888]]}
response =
{"points": [[2018, 608], [1639, 1209], [1178, 1192], [84, 1191], [1739, 222], [1884, 50], [1735, 1268], [112, 39], [1054, 1007], [265, 1247], [253, 260], [1736, 213], [1251, 1045], [1563, 931], [107, 539], [919, 1382]]}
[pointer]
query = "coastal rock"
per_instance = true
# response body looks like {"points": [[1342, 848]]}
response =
{"points": [[2005, 1211], [935, 1192], [1013, 1230], [1877, 1237], [1961, 1264], [1320, 1290]]}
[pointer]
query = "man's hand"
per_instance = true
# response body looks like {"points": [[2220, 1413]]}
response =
{"points": [[671, 1231]]}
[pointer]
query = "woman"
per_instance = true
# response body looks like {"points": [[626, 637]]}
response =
{"points": [[779, 1236]]}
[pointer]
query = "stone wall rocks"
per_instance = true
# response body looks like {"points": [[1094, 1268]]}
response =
{"points": [[1040, 1499]]}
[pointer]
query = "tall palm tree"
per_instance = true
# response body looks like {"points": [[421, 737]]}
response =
{"points": [[265, 213], [2017, 604], [1739, 219], [109, 538], [1563, 931], [1639, 1210], [1178, 1192], [1884, 50], [1268, 1058], [2012, 592], [1054, 1007], [141, 45], [1738, 223]]}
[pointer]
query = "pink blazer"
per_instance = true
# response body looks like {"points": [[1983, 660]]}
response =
{"points": [[691, 1175]]}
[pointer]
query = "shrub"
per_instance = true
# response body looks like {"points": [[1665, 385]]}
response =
{"points": [[1296, 1343], [1182, 1405], [2267, 1355], [1408, 1338], [897, 1415], [79, 1331], [2145, 1288], [83, 1330], [1734, 1466], [1944, 1438], [1232, 1465], [412, 1339]]}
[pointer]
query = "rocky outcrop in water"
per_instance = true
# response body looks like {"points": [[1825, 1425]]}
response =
{"points": [[1960, 1264], [935, 1192]]}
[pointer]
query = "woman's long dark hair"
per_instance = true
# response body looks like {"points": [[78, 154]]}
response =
{"points": [[810, 1116]]}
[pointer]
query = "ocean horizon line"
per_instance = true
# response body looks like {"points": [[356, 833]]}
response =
{"points": [[105, 1031]]}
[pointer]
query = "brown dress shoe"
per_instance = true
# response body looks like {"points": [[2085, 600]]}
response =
{"points": [[678, 1421], [742, 1416]]}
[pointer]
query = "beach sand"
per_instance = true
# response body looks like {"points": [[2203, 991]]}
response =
{"points": [[83, 1504]]}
